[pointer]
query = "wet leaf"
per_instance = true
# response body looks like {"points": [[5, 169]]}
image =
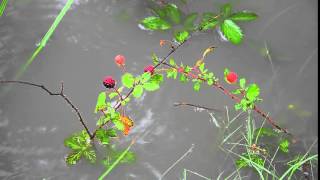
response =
{"points": [[90, 155], [243, 16], [73, 157], [231, 31], [155, 23], [103, 137]]}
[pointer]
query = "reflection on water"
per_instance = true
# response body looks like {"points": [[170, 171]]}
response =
{"points": [[81, 51]]}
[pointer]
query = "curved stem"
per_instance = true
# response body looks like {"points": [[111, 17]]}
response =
{"points": [[51, 93]]}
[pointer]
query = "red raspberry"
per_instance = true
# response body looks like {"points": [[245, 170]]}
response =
{"points": [[120, 60], [149, 69], [232, 77], [109, 82]]}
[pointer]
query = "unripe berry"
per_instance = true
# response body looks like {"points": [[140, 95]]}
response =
{"points": [[109, 82], [120, 60]]}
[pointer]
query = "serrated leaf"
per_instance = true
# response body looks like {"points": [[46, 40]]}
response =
{"points": [[127, 80], [201, 67], [231, 31], [172, 62], [90, 155], [189, 21], [173, 13], [252, 92], [284, 145], [103, 137], [155, 23], [137, 91], [181, 36], [77, 141], [208, 21], [73, 157], [155, 58], [243, 16], [101, 102], [111, 133]]}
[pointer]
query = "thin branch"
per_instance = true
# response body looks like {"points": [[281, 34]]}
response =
{"points": [[177, 104], [51, 93]]}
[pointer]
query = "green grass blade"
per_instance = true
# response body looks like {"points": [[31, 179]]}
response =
{"points": [[45, 38], [116, 162], [3, 6]]}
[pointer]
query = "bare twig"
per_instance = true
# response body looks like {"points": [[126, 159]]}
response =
{"points": [[195, 105], [51, 93]]}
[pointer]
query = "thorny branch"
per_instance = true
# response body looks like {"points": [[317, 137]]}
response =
{"points": [[52, 93]]}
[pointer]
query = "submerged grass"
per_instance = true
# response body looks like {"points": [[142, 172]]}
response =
{"points": [[45, 38]]}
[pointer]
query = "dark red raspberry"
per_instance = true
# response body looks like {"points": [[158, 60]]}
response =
{"points": [[232, 77], [109, 82], [149, 69]]}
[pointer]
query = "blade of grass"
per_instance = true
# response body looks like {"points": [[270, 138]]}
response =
{"points": [[3, 6], [45, 38], [116, 162]]}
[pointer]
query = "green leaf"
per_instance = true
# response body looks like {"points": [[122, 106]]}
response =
{"points": [[243, 16], [111, 133], [90, 155], [118, 124], [102, 120], [138, 91], [103, 137], [181, 36], [172, 73], [252, 92], [101, 102], [127, 80], [183, 78], [77, 141], [226, 72], [242, 83], [155, 23], [201, 67], [261, 132], [231, 31], [210, 81], [173, 13], [112, 95], [208, 21], [172, 62], [189, 21], [73, 157], [284, 145], [237, 106], [226, 9], [236, 91], [155, 58], [196, 86], [247, 159], [151, 86]]}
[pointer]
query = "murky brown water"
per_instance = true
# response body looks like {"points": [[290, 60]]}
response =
{"points": [[33, 125]]}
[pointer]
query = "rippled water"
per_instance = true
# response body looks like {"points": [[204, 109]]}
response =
{"points": [[33, 125]]}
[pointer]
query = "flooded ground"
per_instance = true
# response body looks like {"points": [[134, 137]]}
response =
{"points": [[33, 125]]}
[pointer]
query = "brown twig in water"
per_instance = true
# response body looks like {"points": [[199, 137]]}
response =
{"points": [[51, 93]]}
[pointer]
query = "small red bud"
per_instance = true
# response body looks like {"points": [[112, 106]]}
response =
{"points": [[180, 70], [149, 68], [109, 82]]}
